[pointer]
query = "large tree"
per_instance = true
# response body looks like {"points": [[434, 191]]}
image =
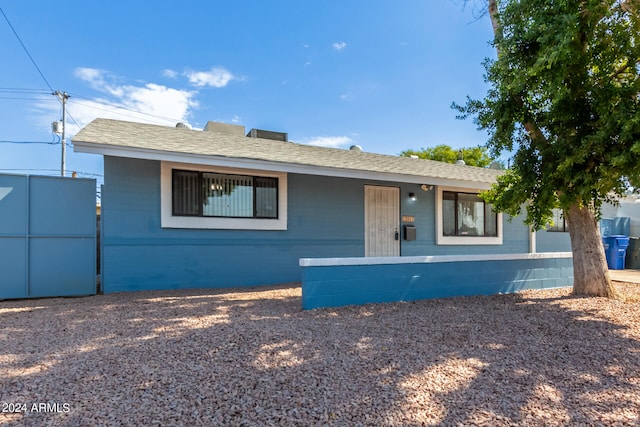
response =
{"points": [[472, 156], [564, 97]]}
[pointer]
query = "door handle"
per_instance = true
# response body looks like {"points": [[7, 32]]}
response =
{"points": [[397, 235]]}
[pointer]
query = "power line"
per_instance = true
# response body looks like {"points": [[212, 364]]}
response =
{"points": [[27, 142], [28, 91], [118, 106], [34, 62], [26, 50], [21, 94], [55, 141], [28, 94], [72, 119], [28, 169], [23, 90], [22, 98], [120, 113]]}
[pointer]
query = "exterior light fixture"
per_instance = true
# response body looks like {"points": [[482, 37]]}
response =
{"points": [[413, 197]]}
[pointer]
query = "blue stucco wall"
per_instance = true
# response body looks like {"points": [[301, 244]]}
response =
{"points": [[339, 285], [515, 233], [552, 241], [325, 219]]}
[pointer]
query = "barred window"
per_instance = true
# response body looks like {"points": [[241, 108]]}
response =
{"points": [[208, 194], [558, 223]]}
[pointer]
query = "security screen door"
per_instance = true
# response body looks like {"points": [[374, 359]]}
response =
{"points": [[381, 221]]}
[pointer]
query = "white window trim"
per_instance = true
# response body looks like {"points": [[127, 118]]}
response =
{"points": [[167, 220], [461, 240]]}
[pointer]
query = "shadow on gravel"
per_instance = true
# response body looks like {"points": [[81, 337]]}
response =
{"points": [[252, 357]]}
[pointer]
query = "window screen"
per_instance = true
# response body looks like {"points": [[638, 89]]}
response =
{"points": [[224, 195], [187, 199]]}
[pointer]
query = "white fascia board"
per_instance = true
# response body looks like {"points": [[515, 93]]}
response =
{"points": [[232, 162], [327, 262]]}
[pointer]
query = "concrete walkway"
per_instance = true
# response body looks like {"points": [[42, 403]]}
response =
{"points": [[631, 276]]}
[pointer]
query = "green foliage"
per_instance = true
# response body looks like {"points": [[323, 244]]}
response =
{"points": [[565, 98], [473, 156]]}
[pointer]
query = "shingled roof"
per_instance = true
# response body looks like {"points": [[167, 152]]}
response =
{"points": [[146, 141]]}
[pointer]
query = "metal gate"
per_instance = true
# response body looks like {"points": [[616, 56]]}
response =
{"points": [[47, 236]]}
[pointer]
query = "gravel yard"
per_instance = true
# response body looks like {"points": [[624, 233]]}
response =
{"points": [[252, 357]]}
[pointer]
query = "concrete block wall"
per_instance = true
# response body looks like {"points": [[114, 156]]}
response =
{"points": [[339, 282]]}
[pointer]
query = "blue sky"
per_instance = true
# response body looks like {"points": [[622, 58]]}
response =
{"points": [[381, 74]]}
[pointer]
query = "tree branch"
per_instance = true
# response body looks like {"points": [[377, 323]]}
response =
{"points": [[629, 6], [532, 129], [495, 20], [622, 69]]}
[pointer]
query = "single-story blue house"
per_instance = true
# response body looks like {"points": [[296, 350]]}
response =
{"points": [[220, 208]]}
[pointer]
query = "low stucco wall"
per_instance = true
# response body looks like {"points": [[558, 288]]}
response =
{"points": [[333, 282]]}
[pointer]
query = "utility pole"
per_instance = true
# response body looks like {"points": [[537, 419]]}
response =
{"points": [[62, 96]]}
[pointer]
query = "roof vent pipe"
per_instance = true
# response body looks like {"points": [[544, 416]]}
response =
{"points": [[355, 148]]}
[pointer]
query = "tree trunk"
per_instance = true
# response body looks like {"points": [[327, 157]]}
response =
{"points": [[590, 272], [495, 21]]}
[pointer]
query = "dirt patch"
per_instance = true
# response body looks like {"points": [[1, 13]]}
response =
{"points": [[253, 357]]}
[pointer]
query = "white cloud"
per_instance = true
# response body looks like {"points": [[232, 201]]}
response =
{"points": [[89, 74], [159, 100], [329, 141], [99, 80], [148, 103], [217, 77], [139, 102], [170, 73], [339, 46]]}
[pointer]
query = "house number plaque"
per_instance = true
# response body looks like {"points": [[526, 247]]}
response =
{"points": [[408, 218]]}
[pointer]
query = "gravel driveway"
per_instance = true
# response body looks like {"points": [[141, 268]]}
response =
{"points": [[251, 357]]}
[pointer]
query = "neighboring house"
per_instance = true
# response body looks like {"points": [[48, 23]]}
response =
{"points": [[622, 218], [183, 208]]}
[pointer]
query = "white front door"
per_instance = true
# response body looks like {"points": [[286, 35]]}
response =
{"points": [[381, 221]]}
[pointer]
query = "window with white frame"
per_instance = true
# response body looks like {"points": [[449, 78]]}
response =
{"points": [[222, 198], [463, 218], [466, 214], [209, 194]]}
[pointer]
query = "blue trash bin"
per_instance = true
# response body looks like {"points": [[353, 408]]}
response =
{"points": [[615, 249]]}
